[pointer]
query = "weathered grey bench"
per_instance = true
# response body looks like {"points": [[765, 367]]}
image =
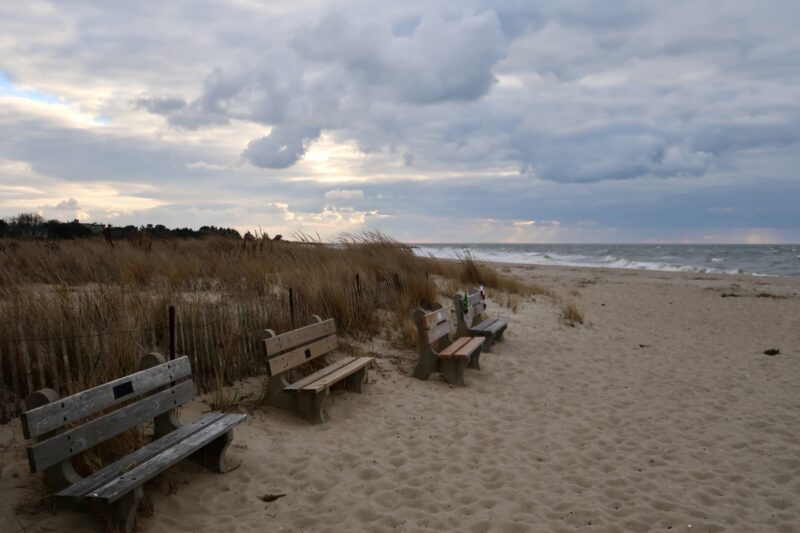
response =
{"points": [[469, 320], [438, 354], [309, 396], [62, 431]]}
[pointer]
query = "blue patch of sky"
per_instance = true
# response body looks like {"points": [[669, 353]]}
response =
{"points": [[9, 88]]}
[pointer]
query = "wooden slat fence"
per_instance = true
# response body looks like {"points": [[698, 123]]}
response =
{"points": [[81, 350]]}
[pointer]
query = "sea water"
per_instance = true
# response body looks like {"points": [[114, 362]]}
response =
{"points": [[759, 260]]}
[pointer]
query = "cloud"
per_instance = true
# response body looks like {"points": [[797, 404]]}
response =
{"points": [[642, 116], [160, 105], [441, 59], [281, 148], [345, 194], [68, 205]]}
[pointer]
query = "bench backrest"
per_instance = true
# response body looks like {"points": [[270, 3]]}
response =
{"points": [[49, 422], [432, 325], [299, 346], [475, 306]]}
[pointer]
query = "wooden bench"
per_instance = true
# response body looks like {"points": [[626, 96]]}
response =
{"points": [[469, 319], [62, 431], [309, 396], [437, 353]]}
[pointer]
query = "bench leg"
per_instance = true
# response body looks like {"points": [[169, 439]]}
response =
{"points": [[426, 365], [212, 455], [452, 368], [499, 336], [313, 406], [475, 360], [355, 381], [61, 475], [123, 511], [275, 395]]}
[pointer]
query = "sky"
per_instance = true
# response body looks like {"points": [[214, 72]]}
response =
{"points": [[433, 121]]}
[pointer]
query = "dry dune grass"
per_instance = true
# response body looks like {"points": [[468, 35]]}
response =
{"points": [[88, 310], [469, 272], [570, 314], [80, 313]]}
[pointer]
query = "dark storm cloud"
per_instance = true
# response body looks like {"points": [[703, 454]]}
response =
{"points": [[160, 105], [281, 148]]}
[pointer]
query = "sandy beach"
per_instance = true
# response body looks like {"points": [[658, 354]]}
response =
{"points": [[661, 412]]}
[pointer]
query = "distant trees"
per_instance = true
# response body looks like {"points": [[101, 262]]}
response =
{"points": [[33, 226]]}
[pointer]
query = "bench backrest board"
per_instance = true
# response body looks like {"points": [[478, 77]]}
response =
{"points": [[42, 420], [296, 347], [435, 324], [475, 305]]}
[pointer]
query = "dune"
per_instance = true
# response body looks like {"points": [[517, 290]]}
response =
{"points": [[660, 412]]}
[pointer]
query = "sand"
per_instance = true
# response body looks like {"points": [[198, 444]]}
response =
{"points": [[660, 413]]}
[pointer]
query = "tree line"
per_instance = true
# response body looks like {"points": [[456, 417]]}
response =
{"points": [[34, 226]]}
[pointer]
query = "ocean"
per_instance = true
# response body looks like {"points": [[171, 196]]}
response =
{"points": [[757, 260]]}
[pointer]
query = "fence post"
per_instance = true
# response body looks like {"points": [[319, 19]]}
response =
{"points": [[396, 281], [291, 306], [358, 285], [3, 416], [171, 332]]}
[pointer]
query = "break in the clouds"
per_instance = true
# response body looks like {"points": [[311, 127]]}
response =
{"points": [[509, 120]]}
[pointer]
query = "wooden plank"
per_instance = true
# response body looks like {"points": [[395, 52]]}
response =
{"points": [[199, 370], [119, 467], [57, 383], [474, 298], [210, 367], [70, 387], [26, 361], [334, 377], [321, 373], [38, 355], [498, 325], [146, 471], [282, 363], [451, 350], [433, 335], [78, 358], [484, 325], [3, 411], [55, 415], [65, 445], [472, 344], [435, 318], [290, 339], [12, 360]]}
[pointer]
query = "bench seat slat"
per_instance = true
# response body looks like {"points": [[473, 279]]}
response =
{"points": [[351, 368], [485, 324], [123, 484], [321, 373], [499, 325], [54, 415], [77, 490], [451, 350], [472, 344], [72, 442]]}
